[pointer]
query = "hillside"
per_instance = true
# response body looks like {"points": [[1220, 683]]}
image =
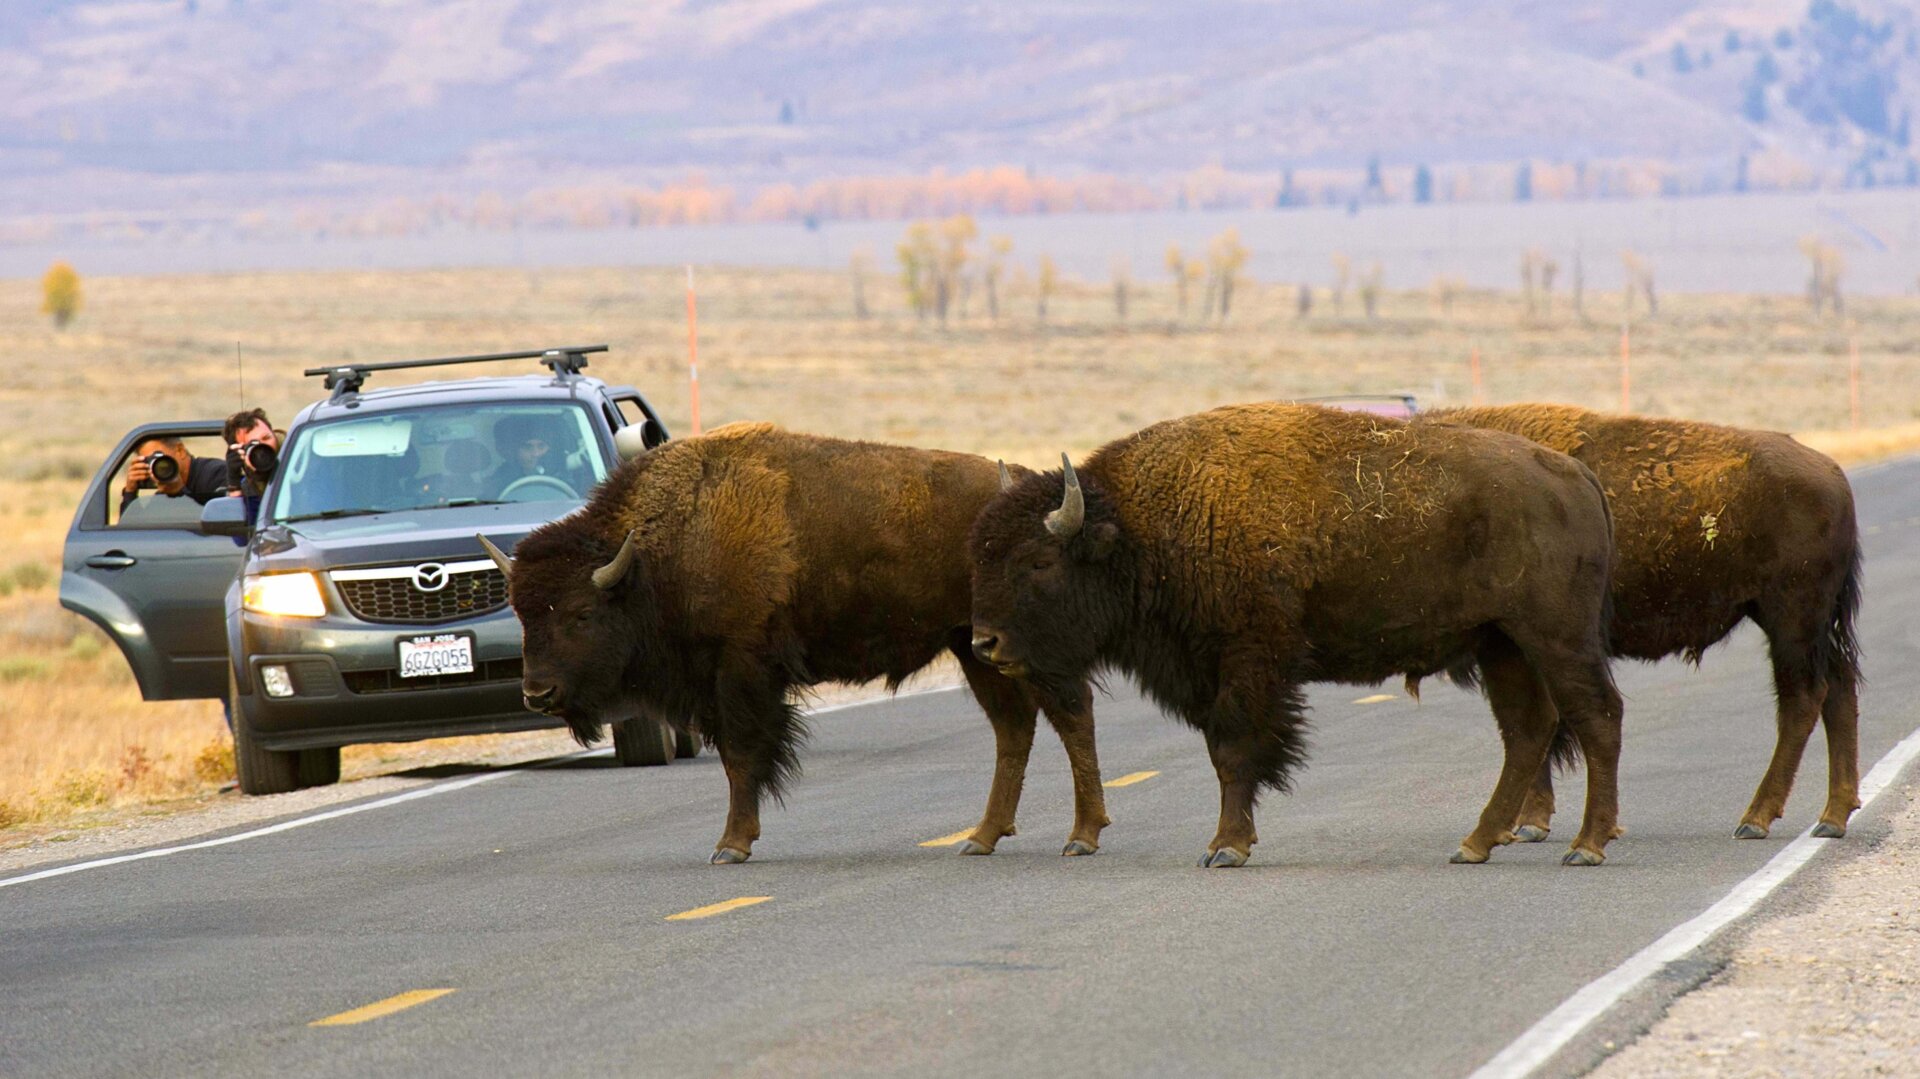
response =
{"points": [[204, 106]]}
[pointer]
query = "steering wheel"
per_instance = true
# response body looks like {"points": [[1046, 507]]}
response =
{"points": [[559, 486]]}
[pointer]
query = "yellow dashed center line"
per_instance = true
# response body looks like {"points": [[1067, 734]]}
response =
{"points": [[948, 840], [380, 1008], [717, 908], [1375, 699], [1129, 779]]}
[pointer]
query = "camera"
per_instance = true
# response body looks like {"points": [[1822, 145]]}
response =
{"points": [[259, 459], [164, 468]]}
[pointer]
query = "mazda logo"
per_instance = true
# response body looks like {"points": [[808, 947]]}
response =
{"points": [[430, 577]]}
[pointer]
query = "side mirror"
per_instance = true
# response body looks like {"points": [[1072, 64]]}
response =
{"points": [[225, 516], [637, 438]]}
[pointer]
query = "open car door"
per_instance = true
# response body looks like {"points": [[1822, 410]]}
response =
{"points": [[149, 578]]}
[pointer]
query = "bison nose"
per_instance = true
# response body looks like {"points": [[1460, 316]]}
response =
{"points": [[538, 698], [985, 644]]}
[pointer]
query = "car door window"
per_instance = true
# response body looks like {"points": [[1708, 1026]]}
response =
{"points": [[150, 508]]}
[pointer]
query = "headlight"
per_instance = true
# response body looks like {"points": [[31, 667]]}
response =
{"points": [[293, 595]]}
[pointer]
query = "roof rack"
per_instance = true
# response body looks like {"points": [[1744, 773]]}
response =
{"points": [[344, 379]]}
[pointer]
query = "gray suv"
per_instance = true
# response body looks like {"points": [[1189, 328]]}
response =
{"points": [[361, 607]]}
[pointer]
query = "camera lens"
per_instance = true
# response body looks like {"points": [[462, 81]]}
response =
{"points": [[164, 468], [260, 458]]}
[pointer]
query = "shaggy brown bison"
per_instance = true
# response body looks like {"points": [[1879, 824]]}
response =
{"points": [[707, 578], [1716, 525], [1226, 559]]}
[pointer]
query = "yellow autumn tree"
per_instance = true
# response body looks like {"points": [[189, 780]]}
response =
{"points": [[60, 294]]}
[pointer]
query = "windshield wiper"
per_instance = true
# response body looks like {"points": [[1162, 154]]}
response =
{"points": [[328, 515], [473, 502]]}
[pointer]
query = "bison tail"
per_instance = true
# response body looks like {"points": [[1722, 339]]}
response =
{"points": [[585, 731], [1837, 650], [1564, 751]]}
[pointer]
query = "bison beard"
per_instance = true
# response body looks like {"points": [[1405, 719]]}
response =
{"points": [[1718, 525], [1227, 559], [708, 578]]}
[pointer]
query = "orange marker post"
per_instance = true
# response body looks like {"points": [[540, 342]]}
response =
{"points": [[1853, 380], [1626, 369], [693, 352], [1473, 366]]}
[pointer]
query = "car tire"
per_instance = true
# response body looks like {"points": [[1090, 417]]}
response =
{"points": [[260, 770], [319, 767], [686, 744], [643, 743]]}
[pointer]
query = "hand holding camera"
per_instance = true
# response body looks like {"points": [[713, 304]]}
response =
{"points": [[156, 469]]}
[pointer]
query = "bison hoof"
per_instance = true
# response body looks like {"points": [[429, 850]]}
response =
{"points": [[1823, 830], [975, 847], [1580, 856], [1529, 833], [1224, 858], [727, 856], [1463, 856], [1750, 831]]}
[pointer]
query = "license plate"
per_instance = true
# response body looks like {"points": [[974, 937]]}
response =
{"points": [[438, 653]]}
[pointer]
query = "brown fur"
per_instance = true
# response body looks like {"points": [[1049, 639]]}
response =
{"points": [[764, 561], [1715, 525], [1230, 557]]}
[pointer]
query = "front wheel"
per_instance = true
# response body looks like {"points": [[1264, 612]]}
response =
{"points": [[260, 770], [319, 767], [643, 742], [685, 744]]}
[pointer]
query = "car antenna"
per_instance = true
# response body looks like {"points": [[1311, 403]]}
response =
{"points": [[240, 372]]}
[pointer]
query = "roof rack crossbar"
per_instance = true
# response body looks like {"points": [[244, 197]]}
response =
{"points": [[348, 377]]}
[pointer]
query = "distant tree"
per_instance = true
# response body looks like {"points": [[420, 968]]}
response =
{"points": [[1754, 105], [1288, 195], [998, 248], [1370, 291], [1639, 280], [919, 256], [1226, 256], [956, 233], [1579, 286], [1342, 269], [1740, 174], [1122, 286], [1376, 186], [60, 294], [1682, 60], [857, 267], [1303, 300], [1443, 291], [1766, 71], [1422, 184], [786, 112], [1523, 182], [1825, 266], [1732, 44], [1046, 278]]}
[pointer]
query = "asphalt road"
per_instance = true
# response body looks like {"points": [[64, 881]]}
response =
{"points": [[1349, 947]]}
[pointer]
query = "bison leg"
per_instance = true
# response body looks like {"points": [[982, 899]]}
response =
{"points": [[1841, 715], [1012, 712], [1800, 699], [1536, 812], [1524, 711], [756, 732], [1254, 738], [1075, 728], [743, 809], [1583, 692]]}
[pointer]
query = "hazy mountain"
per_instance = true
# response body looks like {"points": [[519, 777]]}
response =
{"points": [[174, 104]]}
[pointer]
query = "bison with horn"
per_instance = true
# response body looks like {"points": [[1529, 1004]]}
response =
{"points": [[1720, 525], [1225, 560], [708, 578]]}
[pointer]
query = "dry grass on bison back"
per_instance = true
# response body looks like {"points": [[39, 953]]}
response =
{"points": [[786, 346]]}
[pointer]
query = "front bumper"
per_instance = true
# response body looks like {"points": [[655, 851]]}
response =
{"points": [[347, 689]]}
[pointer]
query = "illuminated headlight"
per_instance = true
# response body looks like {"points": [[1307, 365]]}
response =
{"points": [[292, 595], [274, 677]]}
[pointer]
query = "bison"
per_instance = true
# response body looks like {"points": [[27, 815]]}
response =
{"points": [[1718, 525], [1226, 559], [709, 577]]}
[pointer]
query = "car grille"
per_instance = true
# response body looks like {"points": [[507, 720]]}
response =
{"points": [[388, 680], [396, 598]]}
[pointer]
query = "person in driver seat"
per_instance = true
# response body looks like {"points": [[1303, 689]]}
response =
{"points": [[531, 446]]}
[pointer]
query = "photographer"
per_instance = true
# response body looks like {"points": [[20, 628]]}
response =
{"points": [[163, 464], [253, 451]]}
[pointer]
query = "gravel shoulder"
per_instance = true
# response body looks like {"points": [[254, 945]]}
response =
{"points": [[1828, 987]]}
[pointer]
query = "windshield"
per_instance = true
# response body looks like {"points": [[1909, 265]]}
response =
{"points": [[422, 458]]}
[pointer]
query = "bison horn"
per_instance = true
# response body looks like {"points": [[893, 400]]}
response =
{"points": [[1006, 481], [1065, 522], [499, 558], [613, 572]]}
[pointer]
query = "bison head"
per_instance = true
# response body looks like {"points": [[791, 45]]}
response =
{"points": [[568, 588], [1048, 588]]}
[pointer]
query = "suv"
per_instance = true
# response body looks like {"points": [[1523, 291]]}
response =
{"points": [[361, 607]]}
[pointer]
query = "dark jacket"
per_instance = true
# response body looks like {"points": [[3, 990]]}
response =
{"points": [[206, 481]]}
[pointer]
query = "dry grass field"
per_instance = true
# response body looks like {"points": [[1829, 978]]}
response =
{"points": [[784, 346]]}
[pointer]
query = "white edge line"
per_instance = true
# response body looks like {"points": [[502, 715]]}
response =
{"points": [[1552, 1033], [444, 787]]}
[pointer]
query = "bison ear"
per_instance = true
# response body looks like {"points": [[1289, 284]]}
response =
{"points": [[1102, 539]]}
